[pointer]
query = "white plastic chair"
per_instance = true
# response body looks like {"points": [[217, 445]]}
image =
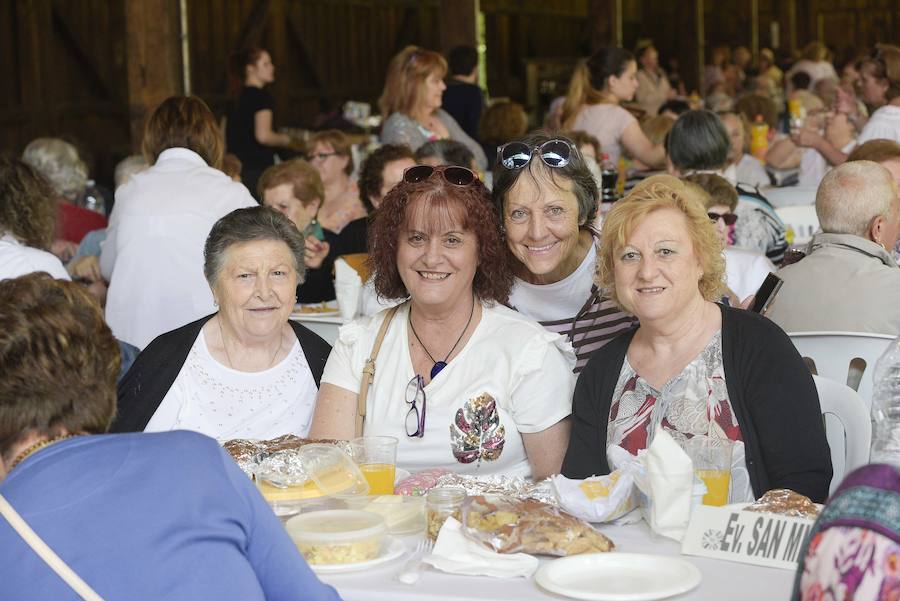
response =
{"points": [[802, 219], [847, 427], [791, 196], [845, 357]]}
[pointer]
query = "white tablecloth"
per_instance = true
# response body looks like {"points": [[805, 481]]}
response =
{"points": [[721, 579]]}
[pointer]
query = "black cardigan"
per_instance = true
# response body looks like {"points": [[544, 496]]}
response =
{"points": [[771, 391], [154, 371]]}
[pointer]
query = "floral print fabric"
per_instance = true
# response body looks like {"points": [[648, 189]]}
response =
{"points": [[851, 563], [693, 403]]}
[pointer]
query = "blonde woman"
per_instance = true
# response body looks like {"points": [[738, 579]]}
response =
{"points": [[693, 366], [411, 103]]}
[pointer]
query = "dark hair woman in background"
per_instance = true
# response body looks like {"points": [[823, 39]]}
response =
{"points": [[248, 126]]}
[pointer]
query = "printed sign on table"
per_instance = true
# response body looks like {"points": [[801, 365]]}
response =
{"points": [[764, 539]]}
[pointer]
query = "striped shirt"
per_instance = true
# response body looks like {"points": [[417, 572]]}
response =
{"points": [[599, 321], [587, 324]]}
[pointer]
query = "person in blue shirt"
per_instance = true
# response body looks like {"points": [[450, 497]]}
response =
{"points": [[135, 516]]}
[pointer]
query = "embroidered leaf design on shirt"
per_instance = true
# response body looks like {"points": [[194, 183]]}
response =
{"points": [[476, 432]]}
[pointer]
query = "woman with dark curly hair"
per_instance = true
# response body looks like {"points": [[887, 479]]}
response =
{"points": [[496, 385], [27, 222]]}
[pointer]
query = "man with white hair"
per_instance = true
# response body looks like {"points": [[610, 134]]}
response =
{"points": [[848, 281]]}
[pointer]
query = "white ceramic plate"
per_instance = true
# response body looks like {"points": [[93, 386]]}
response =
{"points": [[391, 550], [618, 576]]}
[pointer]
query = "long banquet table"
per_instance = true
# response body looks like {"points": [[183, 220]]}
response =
{"points": [[721, 579]]}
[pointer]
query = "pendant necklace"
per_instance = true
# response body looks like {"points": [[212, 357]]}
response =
{"points": [[439, 365]]}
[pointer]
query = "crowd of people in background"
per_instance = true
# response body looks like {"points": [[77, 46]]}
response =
{"points": [[589, 270]]}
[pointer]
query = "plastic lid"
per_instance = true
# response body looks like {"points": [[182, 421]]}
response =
{"points": [[336, 526], [321, 470], [333, 471]]}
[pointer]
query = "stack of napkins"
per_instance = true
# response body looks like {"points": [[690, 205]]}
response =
{"points": [[668, 482]]}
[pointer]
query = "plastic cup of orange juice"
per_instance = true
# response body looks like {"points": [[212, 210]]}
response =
{"points": [[376, 457], [712, 464]]}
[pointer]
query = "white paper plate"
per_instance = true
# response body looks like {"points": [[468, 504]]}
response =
{"points": [[391, 550], [618, 576]]}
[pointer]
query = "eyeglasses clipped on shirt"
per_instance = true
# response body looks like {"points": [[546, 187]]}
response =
{"points": [[415, 419]]}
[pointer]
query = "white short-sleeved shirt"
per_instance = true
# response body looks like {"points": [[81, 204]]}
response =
{"points": [[225, 403], [525, 368], [607, 123], [153, 252], [16, 260], [884, 123]]}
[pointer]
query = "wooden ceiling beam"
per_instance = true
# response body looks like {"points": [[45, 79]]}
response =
{"points": [[78, 51]]}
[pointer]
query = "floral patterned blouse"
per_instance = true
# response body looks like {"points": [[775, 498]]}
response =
{"points": [[695, 402], [851, 563]]}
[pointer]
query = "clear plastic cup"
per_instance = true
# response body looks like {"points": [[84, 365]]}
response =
{"points": [[376, 457], [712, 464]]}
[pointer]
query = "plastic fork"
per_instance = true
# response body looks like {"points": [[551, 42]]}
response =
{"points": [[412, 569]]}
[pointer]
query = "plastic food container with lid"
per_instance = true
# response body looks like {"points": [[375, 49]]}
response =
{"points": [[294, 480], [339, 536], [402, 514]]}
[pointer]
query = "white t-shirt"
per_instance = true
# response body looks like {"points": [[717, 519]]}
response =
{"points": [[884, 123], [813, 166], [745, 270], [525, 368], [153, 253], [751, 172], [559, 300], [225, 403], [16, 260]]}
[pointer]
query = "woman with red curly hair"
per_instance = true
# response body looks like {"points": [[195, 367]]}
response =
{"points": [[495, 385]]}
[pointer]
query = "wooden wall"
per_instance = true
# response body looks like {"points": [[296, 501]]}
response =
{"points": [[91, 69]]}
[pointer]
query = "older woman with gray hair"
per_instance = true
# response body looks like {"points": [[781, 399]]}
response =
{"points": [[58, 161], [859, 213], [245, 371]]}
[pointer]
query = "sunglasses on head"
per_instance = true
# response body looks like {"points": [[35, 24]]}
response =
{"points": [[728, 218], [555, 153], [458, 176]]}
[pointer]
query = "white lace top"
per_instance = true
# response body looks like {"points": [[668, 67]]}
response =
{"points": [[224, 403]]}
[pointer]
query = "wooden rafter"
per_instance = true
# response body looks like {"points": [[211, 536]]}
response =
{"points": [[77, 48], [304, 58]]}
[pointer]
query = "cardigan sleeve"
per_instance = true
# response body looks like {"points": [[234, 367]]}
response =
{"points": [[400, 129], [314, 348], [151, 375], [779, 396], [586, 455]]}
